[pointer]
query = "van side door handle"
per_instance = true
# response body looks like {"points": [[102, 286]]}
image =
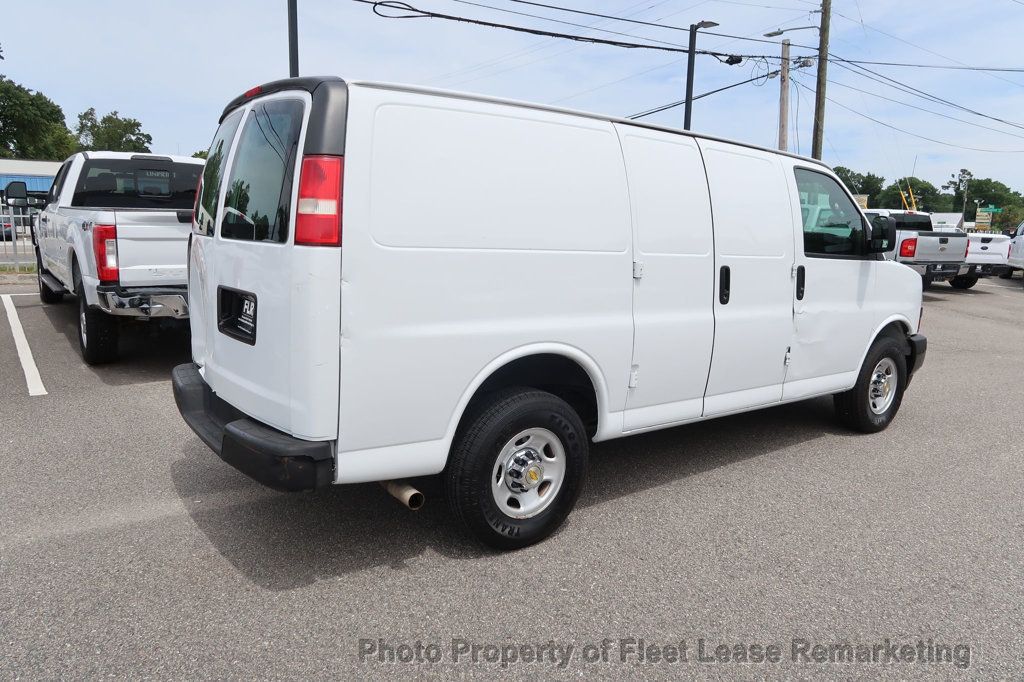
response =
{"points": [[724, 278], [801, 279]]}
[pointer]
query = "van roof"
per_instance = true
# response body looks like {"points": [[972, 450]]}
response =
{"points": [[310, 83]]}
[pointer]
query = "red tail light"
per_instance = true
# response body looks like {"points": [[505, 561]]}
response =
{"points": [[318, 214], [908, 248], [104, 245]]}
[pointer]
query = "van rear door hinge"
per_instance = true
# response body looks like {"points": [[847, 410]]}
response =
{"points": [[789, 357], [634, 376], [638, 269]]}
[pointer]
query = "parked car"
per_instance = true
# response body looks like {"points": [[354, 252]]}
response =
{"points": [[935, 255], [1015, 258], [114, 232], [388, 282]]}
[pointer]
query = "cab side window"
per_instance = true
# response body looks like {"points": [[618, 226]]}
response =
{"points": [[58, 184], [833, 225]]}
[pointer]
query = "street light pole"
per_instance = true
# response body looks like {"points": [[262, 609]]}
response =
{"points": [[293, 39], [691, 55], [819, 93]]}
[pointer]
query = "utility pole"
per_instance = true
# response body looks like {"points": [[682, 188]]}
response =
{"points": [[293, 39], [819, 93], [784, 99], [691, 55]]}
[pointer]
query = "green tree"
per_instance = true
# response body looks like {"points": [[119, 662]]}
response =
{"points": [[990, 191], [31, 125], [111, 133], [201, 154], [861, 183], [927, 195]]}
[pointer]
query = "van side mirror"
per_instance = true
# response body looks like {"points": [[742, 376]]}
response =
{"points": [[883, 234]]}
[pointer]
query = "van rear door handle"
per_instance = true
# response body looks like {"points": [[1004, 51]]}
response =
{"points": [[724, 278], [801, 277]]}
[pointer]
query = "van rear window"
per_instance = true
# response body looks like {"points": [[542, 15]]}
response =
{"points": [[257, 206], [143, 182]]}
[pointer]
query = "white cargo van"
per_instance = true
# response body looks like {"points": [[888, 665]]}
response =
{"points": [[389, 282]]}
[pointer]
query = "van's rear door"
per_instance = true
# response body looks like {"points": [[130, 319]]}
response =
{"points": [[265, 311]]}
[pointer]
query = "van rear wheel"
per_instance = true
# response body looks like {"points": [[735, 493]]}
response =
{"points": [[517, 467], [873, 402]]}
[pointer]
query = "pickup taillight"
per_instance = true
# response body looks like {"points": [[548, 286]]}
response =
{"points": [[104, 245], [318, 214], [908, 248]]}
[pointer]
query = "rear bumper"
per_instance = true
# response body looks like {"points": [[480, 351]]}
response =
{"points": [[144, 301], [275, 459], [937, 271], [984, 269], [918, 350]]}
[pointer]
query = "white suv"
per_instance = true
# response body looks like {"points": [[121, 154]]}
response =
{"points": [[388, 282]]}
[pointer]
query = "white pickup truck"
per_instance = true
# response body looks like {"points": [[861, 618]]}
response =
{"points": [[114, 232], [1015, 258], [934, 255], [986, 255]]}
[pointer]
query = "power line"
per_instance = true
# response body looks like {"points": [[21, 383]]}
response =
{"points": [[927, 111], [907, 132], [672, 105], [415, 13]]}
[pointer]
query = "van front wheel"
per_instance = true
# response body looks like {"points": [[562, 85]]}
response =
{"points": [[517, 467], [875, 399]]}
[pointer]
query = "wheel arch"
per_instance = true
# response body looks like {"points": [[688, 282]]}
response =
{"points": [[897, 326], [564, 370]]}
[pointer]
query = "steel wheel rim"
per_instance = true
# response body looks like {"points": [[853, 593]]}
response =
{"points": [[528, 473], [882, 388]]}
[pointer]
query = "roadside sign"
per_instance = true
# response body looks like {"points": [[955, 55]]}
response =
{"points": [[983, 221], [989, 209]]}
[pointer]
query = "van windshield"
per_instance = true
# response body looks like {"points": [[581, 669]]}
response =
{"points": [[140, 183]]}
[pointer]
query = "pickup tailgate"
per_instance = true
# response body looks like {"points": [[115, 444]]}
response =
{"points": [[988, 249], [939, 247], [152, 247]]}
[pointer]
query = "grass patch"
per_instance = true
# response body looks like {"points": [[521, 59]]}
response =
{"points": [[17, 268]]}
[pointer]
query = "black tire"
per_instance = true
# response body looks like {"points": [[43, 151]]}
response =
{"points": [[925, 282], [1006, 275], [853, 407], [97, 332], [474, 459], [46, 294], [963, 281]]}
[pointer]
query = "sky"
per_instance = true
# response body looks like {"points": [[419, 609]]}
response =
{"points": [[175, 64]]}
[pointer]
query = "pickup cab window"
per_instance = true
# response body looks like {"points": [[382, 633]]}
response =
{"points": [[913, 221], [141, 183], [257, 206], [833, 226]]}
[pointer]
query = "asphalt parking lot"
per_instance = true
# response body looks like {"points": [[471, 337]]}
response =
{"points": [[129, 549]]}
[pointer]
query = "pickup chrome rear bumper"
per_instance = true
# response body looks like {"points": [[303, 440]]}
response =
{"points": [[144, 302]]}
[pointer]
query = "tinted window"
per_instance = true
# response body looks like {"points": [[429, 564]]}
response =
{"points": [[257, 206], [833, 225], [58, 184], [216, 162], [916, 222], [149, 183]]}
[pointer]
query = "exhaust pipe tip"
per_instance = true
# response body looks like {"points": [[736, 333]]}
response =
{"points": [[410, 497]]}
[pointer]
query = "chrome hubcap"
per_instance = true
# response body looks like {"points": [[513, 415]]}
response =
{"points": [[882, 390], [528, 473]]}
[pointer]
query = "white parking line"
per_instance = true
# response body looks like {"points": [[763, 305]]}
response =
{"points": [[28, 363]]}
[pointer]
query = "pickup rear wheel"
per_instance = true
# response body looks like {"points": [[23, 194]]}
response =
{"points": [[97, 332], [517, 467], [876, 398], [963, 281]]}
